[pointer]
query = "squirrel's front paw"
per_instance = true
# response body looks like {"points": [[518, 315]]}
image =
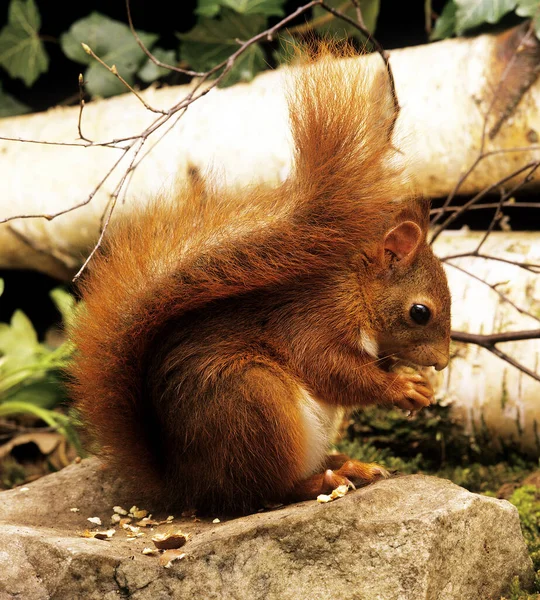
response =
{"points": [[415, 390]]}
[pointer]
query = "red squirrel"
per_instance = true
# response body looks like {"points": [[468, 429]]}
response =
{"points": [[222, 334]]}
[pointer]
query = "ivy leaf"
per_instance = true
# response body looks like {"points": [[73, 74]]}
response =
{"points": [[208, 8], [527, 8], [212, 41], [325, 22], [150, 71], [530, 8], [211, 8], [471, 13], [445, 25], [260, 7], [10, 107], [114, 43], [22, 53]]}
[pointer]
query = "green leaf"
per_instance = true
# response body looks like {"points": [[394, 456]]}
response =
{"points": [[22, 53], [150, 71], [10, 107], [325, 22], [64, 302], [211, 8], [445, 25], [208, 8], [46, 393], [18, 340], [530, 8], [115, 45], [472, 13], [260, 7], [212, 41]]}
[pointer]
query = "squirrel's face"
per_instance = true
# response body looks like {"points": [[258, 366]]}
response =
{"points": [[413, 311], [409, 304]]}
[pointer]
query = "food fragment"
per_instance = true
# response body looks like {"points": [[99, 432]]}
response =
{"points": [[94, 520], [24, 489], [339, 492], [74, 509], [115, 519], [132, 531], [148, 522], [99, 535], [167, 558], [216, 521], [169, 541], [137, 512], [150, 551], [120, 511], [125, 521]]}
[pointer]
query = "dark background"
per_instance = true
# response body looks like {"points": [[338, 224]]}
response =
{"points": [[399, 24]]}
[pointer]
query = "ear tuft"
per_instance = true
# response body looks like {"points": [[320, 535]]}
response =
{"points": [[403, 240]]}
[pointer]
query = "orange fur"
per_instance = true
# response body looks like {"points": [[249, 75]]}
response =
{"points": [[207, 320]]}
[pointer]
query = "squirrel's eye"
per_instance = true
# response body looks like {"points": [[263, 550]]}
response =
{"points": [[420, 314]]}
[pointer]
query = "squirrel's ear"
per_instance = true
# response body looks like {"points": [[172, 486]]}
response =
{"points": [[403, 241]]}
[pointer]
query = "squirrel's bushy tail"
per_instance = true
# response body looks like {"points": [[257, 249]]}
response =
{"points": [[176, 256]]}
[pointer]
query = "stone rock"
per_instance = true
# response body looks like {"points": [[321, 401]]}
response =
{"points": [[405, 538]]}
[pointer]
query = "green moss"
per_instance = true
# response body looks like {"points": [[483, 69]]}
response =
{"points": [[516, 592], [527, 500], [12, 473]]}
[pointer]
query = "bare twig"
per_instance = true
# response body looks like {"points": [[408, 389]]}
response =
{"points": [[81, 108], [501, 295], [115, 72], [150, 55], [489, 343]]}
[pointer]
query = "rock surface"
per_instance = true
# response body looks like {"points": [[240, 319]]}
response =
{"points": [[406, 538]]}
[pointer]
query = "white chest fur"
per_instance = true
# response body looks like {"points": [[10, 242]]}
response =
{"points": [[321, 422]]}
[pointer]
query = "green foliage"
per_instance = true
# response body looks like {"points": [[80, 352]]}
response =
{"points": [[10, 106], [12, 473], [221, 27], [30, 372], [461, 16], [527, 501], [212, 41], [211, 8], [530, 9], [21, 51], [150, 71], [115, 45], [472, 13], [445, 25]]}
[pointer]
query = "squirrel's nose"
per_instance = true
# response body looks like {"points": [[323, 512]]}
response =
{"points": [[441, 364]]}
